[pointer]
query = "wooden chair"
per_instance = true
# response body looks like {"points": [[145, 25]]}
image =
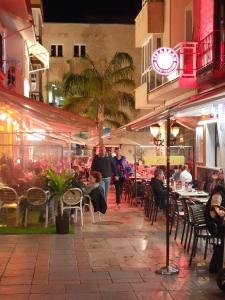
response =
{"points": [[36, 197], [73, 199], [9, 199]]}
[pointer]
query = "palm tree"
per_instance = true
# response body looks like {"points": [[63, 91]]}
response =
{"points": [[102, 95]]}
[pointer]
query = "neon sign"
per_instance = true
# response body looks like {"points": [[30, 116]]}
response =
{"points": [[165, 61]]}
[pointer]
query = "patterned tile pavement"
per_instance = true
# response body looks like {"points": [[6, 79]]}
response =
{"points": [[112, 259]]}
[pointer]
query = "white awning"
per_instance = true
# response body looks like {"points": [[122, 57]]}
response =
{"points": [[18, 25], [40, 52]]}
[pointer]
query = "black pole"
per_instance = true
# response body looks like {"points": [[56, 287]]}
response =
{"points": [[167, 270], [168, 191], [135, 170]]}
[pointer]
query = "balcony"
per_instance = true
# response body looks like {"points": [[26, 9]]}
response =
{"points": [[157, 90], [36, 96], [150, 20], [211, 60]]}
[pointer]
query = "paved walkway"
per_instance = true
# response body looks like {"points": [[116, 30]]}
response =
{"points": [[114, 259]]}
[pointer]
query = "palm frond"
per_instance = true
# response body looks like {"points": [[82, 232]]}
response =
{"points": [[112, 123], [120, 59], [118, 115], [91, 73], [126, 99], [77, 104], [124, 82], [118, 74], [75, 84]]}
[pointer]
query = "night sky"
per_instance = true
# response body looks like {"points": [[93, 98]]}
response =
{"points": [[91, 11]]}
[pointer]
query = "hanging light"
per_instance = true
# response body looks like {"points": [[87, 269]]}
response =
{"points": [[156, 133], [175, 130], [3, 116], [155, 130]]}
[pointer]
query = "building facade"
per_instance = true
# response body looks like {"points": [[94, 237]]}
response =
{"points": [[195, 92], [67, 44]]}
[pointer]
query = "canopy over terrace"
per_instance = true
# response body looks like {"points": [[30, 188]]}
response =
{"points": [[31, 130], [50, 118]]}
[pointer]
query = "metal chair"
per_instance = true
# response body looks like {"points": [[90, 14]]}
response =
{"points": [[153, 209], [9, 199], [73, 199], [176, 214], [36, 197], [200, 229]]}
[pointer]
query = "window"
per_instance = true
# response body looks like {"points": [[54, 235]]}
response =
{"points": [[79, 50], [56, 50]]}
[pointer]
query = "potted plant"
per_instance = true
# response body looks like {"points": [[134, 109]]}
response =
{"points": [[59, 184]]}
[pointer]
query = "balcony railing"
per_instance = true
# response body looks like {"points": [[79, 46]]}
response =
{"points": [[37, 96], [211, 51]]}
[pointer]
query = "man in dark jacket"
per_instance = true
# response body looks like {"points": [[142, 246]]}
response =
{"points": [[104, 164], [158, 188]]}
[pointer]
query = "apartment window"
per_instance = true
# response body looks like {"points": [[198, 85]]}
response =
{"points": [[56, 50], [79, 50]]}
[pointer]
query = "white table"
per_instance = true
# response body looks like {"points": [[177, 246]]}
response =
{"points": [[193, 193], [200, 200]]}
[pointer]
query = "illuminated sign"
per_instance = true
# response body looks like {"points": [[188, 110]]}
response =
{"points": [[165, 61], [162, 160]]}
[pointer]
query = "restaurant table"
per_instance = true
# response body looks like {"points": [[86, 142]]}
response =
{"points": [[200, 200], [193, 193]]}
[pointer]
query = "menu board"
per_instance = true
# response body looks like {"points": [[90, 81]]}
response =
{"points": [[199, 145]]}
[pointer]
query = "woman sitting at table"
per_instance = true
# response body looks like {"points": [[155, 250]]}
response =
{"points": [[95, 190], [215, 218], [158, 188]]}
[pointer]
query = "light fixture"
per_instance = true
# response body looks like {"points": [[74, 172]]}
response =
{"points": [[175, 130], [156, 133], [155, 130], [3, 116]]}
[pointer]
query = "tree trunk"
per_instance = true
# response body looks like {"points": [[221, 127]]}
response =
{"points": [[100, 121]]}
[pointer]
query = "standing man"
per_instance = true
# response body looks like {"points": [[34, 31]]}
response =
{"points": [[104, 164], [121, 168]]}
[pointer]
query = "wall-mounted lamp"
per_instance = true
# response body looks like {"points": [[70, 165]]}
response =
{"points": [[156, 133], [174, 130]]}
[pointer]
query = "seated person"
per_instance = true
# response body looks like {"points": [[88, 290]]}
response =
{"points": [[177, 172], [39, 180], [96, 192], [158, 188], [215, 217], [185, 175]]}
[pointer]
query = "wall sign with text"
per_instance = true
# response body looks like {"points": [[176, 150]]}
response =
{"points": [[165, 61]]}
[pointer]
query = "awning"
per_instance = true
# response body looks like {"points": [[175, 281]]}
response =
{"points": [[40, 52], [17, 25], [161, 114], [52, 119], [113, 142]]}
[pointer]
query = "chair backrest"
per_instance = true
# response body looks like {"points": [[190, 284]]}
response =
{"points": [[36, 196], [8, 195], [197, 212], [73, 196]]}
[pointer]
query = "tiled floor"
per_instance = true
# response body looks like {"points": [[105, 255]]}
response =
{"points": [[113, 259]]}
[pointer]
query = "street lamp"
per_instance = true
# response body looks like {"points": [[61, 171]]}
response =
{"points": [[156, 133]]}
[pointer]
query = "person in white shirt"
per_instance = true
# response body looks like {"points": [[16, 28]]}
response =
{"points": [[185, 175]]}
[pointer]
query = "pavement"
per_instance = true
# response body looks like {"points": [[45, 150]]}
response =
{"points": [[116, 258]]}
